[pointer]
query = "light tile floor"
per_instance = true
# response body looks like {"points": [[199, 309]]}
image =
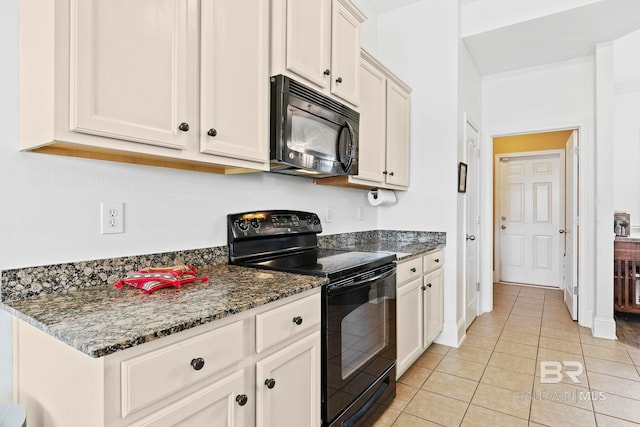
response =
{"points": [[494, 378]]}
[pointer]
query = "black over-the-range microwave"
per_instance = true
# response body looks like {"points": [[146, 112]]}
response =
{"points": [[311, 134]]}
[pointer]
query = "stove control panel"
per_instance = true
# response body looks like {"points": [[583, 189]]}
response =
{"points": [[272, 223]]}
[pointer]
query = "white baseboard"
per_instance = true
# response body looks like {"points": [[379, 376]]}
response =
{"points": [[604, 328], [452, 335]]}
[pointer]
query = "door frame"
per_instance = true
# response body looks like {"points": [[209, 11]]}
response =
{"points": [[496, 217], [586, 215]]}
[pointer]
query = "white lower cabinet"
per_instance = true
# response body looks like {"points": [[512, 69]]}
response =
{"points": [[419, 307], [288, 385], [211, 375], [217, 404]]}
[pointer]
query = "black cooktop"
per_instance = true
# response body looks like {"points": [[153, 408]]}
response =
{"points": [[330, 263], [286, 240]]}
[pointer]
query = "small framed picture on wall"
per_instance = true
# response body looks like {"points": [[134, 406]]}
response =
{"points": [[462, 177]]}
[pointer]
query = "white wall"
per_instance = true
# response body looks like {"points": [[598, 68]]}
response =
{"points": [[8, 124], [626, 139], [554, 96], [419, 43]]}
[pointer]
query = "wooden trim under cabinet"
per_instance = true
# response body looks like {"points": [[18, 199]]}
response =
{"points": [[97, 153]]}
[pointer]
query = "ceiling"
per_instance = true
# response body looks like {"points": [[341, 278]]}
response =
{"points": [[552, 38], [557, 37]]}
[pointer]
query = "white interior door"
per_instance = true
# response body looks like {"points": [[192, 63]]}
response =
{"points": [[529, 218], [472, 223], [570, 265]]}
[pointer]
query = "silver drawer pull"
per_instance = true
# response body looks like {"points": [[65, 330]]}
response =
{"points": [[297, 320], [413, 269]]}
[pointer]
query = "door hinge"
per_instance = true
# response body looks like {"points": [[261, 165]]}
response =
{"points": [[477, 219], [477, 286], [575, 290], [576, 150]]}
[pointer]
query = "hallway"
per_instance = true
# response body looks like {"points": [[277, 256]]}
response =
{"points": [[494, 378]]}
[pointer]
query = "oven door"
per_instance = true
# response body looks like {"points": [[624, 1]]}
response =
{"points": [[359, 345]]}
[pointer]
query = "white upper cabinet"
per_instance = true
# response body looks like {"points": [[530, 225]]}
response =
{"points": [[384, 131], [130, 70], [398, 138], [373, 123], [345, 52], [234, 85], [318, 43], [175, 83], [308, 39]]}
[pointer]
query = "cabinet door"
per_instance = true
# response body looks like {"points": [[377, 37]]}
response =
{"points": [[345, 54], [288, 386], [433, 316], [409, 324], [133, 75], [234, 79], [219, 404], [308, 40], [398, 135], [371, 141]]}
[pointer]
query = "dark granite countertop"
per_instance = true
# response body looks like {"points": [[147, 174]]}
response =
{"points": [[77, 303], [102, 319], [405, 244]]}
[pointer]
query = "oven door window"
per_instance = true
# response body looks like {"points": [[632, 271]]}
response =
{"points": [[364, 333]]}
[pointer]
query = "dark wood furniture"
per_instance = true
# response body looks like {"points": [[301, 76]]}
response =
{"points": [[626, 275]]}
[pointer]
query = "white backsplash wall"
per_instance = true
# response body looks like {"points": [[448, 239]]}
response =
{"points": [[55, 208]]}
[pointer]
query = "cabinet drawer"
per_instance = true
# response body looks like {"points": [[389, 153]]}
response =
{"points": [[409, 270], [433, 260], [150, 377], [279, 324]]}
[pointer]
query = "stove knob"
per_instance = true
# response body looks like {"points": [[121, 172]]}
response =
{"points": [[255, 223], [316, 221], [243, 224]]}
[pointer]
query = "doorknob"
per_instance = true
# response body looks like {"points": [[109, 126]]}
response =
{"points": [[471, 237], [562, 231], [503, 226]]}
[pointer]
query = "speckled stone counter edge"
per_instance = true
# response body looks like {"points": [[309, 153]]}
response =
{"points": [[50, 279]]}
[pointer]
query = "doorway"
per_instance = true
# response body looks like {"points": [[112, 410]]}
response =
{"points": [[529, 189], [546, 256]]}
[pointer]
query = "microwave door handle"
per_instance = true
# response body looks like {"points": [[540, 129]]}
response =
{"points": [[348, 147]]}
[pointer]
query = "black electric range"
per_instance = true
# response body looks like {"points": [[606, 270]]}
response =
{"points": [[358, 307]]}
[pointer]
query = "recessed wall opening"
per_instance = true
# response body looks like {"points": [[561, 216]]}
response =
{"points": [[535, 218]]}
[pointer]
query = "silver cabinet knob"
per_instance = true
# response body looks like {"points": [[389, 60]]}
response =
{"points": [[562, 231], [471, 237], [503, 227]]}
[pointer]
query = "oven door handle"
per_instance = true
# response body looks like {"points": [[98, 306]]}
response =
{"points": [[338, 287]]}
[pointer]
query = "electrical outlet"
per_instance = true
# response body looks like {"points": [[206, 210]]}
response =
{"points": [[360, 214], [111, 218], [328, 214]]}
